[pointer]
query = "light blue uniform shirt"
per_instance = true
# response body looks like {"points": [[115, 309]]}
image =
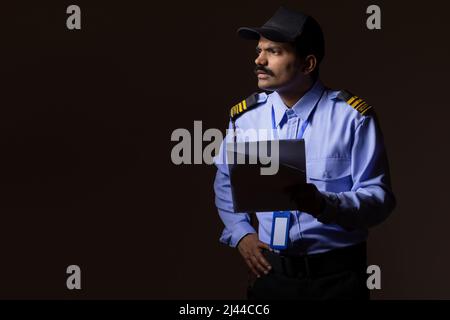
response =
{"points": [[345, 159]]}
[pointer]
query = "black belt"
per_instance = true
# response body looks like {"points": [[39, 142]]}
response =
{"points": [[336, 260]]}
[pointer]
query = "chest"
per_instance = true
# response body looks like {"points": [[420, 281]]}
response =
{"points": [[328, 139]]}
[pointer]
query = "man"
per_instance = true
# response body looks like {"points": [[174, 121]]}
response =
{"points": [[348, 187]]}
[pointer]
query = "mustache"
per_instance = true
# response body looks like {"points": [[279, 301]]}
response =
{"points": [[263, 69]]}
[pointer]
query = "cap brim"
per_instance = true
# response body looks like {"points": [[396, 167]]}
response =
{"points": [[255, 33]]}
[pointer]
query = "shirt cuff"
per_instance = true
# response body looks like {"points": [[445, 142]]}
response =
{"points": [[240, 230]]}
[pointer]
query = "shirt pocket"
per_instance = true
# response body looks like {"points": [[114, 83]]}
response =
{"points": [[330, 174]]}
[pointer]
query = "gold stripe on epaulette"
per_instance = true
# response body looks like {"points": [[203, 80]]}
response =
{"points": [[247, 104], [233, 111], [359, 104], [356, 102], [349, 101], [365, 108], [238, 108]]}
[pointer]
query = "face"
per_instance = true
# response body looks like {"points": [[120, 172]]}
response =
{"points": [[277, 66]]}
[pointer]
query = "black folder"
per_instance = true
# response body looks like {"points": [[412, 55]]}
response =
{"points": [[254, 192]]}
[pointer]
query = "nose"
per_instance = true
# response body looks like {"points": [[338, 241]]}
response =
{"points": [[261, 59]]}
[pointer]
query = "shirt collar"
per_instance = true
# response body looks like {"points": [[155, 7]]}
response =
{"points": [[302, 107]]}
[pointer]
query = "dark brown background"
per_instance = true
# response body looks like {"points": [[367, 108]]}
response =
{"points": [[85, 124]]}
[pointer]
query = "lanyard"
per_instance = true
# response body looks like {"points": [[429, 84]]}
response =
{"points": [[301, 131]]}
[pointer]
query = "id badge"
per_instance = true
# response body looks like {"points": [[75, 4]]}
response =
{"points": [[280, 230]]}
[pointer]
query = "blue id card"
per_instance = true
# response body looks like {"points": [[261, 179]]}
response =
{"points": [[280, 230]]}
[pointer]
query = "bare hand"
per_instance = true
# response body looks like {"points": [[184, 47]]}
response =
{"points": [[250, 248]]}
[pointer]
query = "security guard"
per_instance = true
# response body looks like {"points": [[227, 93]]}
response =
{"points": [[348, 189]]}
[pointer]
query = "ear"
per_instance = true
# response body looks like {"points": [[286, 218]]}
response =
{"points": [[310, 64]]}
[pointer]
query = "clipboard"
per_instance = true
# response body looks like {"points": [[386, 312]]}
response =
{"points": [[254, 192]]}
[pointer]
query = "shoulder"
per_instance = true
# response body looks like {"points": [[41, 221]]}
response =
{"points": [[353, 103], [248, 105], [344, 105], [343, 110]]}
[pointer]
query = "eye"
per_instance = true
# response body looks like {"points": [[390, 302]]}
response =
{"points": [[276, 52], [273, 51]]}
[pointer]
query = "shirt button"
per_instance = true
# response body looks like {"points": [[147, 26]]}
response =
{"points": [[290, 113]]}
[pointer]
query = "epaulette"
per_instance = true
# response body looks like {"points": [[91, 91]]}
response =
{"points": [[243, 106], [355, 102]]}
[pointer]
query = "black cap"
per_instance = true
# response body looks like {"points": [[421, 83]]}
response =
{"points": [[289, 26], [285, 26]]}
